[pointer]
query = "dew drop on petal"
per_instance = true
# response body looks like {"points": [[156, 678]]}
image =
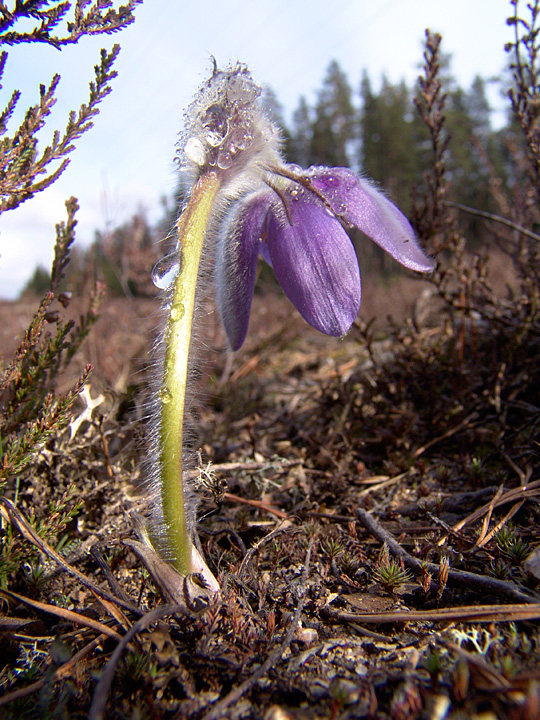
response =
{"points": [[215, 120], [332, 181], [224, 160], [165, 270], [242, 90]]}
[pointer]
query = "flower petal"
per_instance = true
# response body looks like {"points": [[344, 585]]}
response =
{"points": [[359, 203], [315, 262], [236, 263]]}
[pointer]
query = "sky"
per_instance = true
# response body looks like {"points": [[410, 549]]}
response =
{"points": [[125, 163]]}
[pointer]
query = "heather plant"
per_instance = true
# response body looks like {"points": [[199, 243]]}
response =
{"points": [[32, 413]]}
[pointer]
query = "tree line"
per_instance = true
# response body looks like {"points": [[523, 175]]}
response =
{"points": [[376, 132]]}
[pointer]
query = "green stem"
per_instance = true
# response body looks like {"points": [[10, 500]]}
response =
{"points": [[191, 228]]}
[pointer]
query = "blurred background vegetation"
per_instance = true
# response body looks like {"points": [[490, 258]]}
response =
{"points": [[377, 133]]}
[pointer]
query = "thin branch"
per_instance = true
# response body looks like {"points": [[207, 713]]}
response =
{"points": [[69, 615], [100, 19], [470, 613], [494, 218]]}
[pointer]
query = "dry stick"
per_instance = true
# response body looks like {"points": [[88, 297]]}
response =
{"points": [[63, 613], [459, 578], [489, 513], [16, 518], [482, 541], [62, 672], [227, 467], [220, 708], [232, 466], [113, 582], [99, 701], [471, 613]]}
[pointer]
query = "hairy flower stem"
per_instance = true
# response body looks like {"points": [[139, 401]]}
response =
{"points": [[191, 228]]}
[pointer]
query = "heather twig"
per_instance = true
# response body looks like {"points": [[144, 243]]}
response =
{"points": [[24, 170], [98, 19]]}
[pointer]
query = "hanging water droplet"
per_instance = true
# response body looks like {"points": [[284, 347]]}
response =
{"points": [[215, 124], [166, 270], [240, 138]]}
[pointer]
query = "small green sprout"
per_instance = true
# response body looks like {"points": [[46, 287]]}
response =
{"points": [[390, 573]]}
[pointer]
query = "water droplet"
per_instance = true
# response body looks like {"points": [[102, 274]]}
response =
{"points": [[242, 90], [339, 207], [224, 159], [215, 122], [165, 395], [331, 181], [240, 138], [214, 139], [177, 311], [166, 270]]}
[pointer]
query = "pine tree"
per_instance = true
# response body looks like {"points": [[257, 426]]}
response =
{"points": [[389, 148], [334, 127], [302, 134]]}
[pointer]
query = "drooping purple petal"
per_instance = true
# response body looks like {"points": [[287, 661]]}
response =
{"points": [[314, 262], [236, 263], [359, 203]]}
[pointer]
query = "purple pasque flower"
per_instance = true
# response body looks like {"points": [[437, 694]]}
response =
{"points": [[297, 223]]}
